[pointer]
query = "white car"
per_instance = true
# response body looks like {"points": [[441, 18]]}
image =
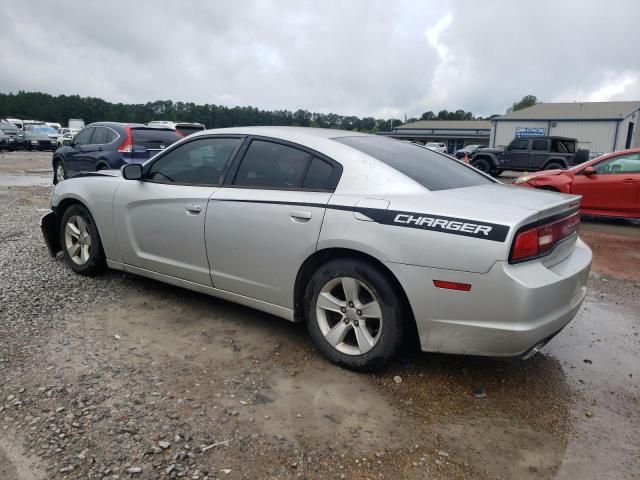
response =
{"points": [[368, 240], [436, 146], [67, 134]]}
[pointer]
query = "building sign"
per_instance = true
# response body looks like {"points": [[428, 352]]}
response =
{"points": [[530, 132]]}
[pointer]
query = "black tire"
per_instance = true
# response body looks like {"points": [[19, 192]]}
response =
{"points": [[554, 166], [482, 164], [95, 262], [57, 162], [392, 326], [496, 173]]}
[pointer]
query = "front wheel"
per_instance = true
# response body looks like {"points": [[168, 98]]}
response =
{"points": [[354, 314], [59, 172], [482, 164], [81, 245], [554, 166]]}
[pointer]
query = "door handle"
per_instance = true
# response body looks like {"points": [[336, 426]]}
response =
{"points": [[300, 215], [630, 180], [193, 208]]}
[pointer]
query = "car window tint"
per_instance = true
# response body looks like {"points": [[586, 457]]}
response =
{"points": [[83, 137], [272, 165], [319, 176], [433, 170], [622, 164], [111, 135], [99, 136], [540, 145], [200, 162], [519, 145]]}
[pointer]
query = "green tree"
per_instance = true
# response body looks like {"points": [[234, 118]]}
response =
{"points": [[526, 102]]}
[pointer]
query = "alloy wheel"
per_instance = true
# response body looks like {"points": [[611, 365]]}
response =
{"points": [[349, 316], [77, 240], [59, 171]]}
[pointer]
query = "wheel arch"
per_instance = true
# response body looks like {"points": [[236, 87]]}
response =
{"points": [[487, 156], [319, 257], [102, 164], [558, 160]]}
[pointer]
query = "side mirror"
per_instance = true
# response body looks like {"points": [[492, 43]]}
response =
{"points": [[589, 171], [132, 171]]}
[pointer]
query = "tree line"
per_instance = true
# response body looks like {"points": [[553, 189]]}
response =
{"points": [[60, 108]]}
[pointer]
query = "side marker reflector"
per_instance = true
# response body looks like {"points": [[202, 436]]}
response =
{"points": [[463, 287]]}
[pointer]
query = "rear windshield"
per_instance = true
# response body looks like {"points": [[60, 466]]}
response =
{"points": [[154, 136], [430, 169], [188, 130]]}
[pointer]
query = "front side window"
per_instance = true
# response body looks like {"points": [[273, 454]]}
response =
{"points": [[430, 169], [200, 162], [519, 145], [623, 164], [83, 137], [272, 165]]}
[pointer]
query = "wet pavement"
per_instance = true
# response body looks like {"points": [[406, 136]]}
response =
{"points": [[131, 361]]}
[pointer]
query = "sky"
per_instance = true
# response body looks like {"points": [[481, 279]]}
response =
{"points": [[351, 57]]}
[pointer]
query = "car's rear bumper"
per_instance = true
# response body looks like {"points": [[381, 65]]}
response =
{"points": [[508, 311]]}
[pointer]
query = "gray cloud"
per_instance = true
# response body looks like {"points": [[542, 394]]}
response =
{"points": [[356, 57]]}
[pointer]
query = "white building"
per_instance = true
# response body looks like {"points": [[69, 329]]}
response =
{"points": [[599, 126]]}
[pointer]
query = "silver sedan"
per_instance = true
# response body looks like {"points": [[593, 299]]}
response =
{"points": [[372, 242]]}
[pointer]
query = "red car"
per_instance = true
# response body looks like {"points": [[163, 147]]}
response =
{"points": [[609, 185]]}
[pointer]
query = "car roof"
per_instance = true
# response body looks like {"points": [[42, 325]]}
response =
{"points": [[285, 133]]}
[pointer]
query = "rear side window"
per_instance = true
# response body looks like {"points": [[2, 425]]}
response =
{"points": [[540, 145], [432, 170], [272, 165], [111, 135], [99, 136], [154, 137], [320, 176], [200, 162]]}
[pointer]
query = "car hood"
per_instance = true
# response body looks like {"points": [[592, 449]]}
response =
{"points": [[490, 150], [548, 173]]}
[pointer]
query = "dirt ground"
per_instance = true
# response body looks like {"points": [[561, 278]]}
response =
{"points": [[97, 374]]}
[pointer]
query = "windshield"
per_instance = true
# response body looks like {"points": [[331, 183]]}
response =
{"points": [[430, 169], [44, 129]]}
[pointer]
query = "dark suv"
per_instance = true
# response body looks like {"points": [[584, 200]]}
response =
{"points": [[109, 145], [530, 154]]}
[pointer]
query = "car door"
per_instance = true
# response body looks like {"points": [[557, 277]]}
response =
{"points": [[74, 159], [160, 221], [517, 155], [613, 188], [539, 153], [266, 220]]}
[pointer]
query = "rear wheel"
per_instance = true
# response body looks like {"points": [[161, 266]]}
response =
{"points": [[554, 166], [81, 245], [482, 164], [354, 315]]}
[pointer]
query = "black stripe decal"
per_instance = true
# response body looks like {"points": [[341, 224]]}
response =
{"points": [[423, 221]]}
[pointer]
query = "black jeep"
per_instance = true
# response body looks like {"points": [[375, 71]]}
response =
{"points": [[530, 154]]}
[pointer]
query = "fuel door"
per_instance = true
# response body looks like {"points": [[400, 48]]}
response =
{"points": [[371, 209]]}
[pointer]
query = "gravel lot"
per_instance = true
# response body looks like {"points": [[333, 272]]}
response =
{"points": [[122, 377]]}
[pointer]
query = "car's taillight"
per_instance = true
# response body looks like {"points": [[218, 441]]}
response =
{"points": [[127, 145], [538, 241]]}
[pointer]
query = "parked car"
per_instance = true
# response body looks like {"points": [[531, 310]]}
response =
{"points": [[609, 185], [530, 155], [66, 134], [106, 145], [38, 137], [185, 128], [16, 121], [436, 146], [45, 129], [6, 141], [368, 240], [55, 125], [16, 137], [469, 150]]}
